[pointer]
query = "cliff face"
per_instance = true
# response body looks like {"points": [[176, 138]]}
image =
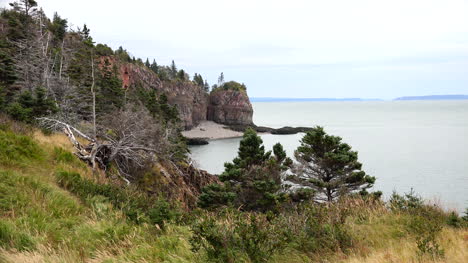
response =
{"points": [[191, 101], [183, 183], [228, 107], [231, 107]]}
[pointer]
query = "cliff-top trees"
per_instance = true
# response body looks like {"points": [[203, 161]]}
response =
{"points": [[25, 6], [253, 180], [329, 166]]}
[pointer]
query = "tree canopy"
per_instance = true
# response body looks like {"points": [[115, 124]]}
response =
{"points": [[329, 166], [253, 181]]}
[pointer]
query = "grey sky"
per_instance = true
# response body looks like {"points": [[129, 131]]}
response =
{"points": [[295, 48]]}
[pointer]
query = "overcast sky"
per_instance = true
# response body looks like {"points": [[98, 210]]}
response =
{"points": [[294, 48]]}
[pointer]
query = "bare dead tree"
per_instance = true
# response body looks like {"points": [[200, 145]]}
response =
{"points": [[93, 93], [128, 140]]}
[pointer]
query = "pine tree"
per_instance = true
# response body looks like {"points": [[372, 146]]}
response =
{"points": [[25, 6], [85, 32], [253, 181], [147, 63], [330, 167], [154, 67], [181, 75], [198, 79], [221, 80], [173, 70], [59, 28]]}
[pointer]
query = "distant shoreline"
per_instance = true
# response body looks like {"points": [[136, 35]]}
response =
{"points": [[404, 98]]}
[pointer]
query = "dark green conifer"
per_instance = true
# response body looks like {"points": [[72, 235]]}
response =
{"points": [[330, 167]]}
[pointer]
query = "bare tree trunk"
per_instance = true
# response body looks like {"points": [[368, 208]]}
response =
{"points": [[93, 93], [61, 59]]}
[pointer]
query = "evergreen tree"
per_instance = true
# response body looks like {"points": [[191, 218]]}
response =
{"points": [[181, 75], [7, 67], [58, 28], [330, 167], [147, 63], [85, 32], [110, 94], [173, 70], [206, 86], [29, 107], [253, 181], [198, 79], [221, 80], [154, 66], [25, 6]]}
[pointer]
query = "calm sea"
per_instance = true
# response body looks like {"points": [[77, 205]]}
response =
{"points": [[405, 144]]}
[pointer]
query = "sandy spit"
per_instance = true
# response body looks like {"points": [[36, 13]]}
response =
{"points": [[212, 131]]}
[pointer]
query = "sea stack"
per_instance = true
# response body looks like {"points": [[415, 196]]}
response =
{"points": [[230, 107]]}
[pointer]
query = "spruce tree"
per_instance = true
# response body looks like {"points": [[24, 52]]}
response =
{"points": [[173, 70], [329, 166], [253, 181], [154, 67], [221, 80]]}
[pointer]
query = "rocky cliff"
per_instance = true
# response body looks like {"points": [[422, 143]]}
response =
{"points": [[228, 107], [191, 100]]}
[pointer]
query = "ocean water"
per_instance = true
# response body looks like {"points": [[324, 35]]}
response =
{"points": [[405, 144]]}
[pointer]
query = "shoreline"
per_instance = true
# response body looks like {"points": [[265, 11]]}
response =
{"points": [[210, 130]]}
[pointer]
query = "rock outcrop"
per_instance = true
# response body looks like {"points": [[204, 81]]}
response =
{"points": [[230, 107], [191, 100], [183, 183], [224, 106]]}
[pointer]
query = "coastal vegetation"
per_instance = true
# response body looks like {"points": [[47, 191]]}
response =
{"points": [[93, 168]]}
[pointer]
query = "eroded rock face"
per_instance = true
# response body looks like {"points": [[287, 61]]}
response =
{"points": [[183, 183], [191, 101], [230, 107]]}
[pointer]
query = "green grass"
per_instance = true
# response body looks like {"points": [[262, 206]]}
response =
{"points": [[16, 150], [52, 211]]}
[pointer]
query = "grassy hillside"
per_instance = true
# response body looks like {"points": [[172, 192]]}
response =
{"points": [[52, 209]]}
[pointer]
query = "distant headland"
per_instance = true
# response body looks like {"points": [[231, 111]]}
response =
{"points": [[425, 97], [268, 99], [435, 97]]}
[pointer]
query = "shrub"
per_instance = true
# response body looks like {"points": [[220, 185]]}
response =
{"points": [[228, 235], [454, 220], [405, 202], [138, 207], [314, 228], [235, 235]]}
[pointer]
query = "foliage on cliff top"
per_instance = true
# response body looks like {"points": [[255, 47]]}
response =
{"points": [[230, 85]]}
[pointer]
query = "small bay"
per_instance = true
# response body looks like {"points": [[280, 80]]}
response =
{"points": [[405, 144]]}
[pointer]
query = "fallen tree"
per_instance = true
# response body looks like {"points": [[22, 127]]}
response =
{"points": [[126, 140]]}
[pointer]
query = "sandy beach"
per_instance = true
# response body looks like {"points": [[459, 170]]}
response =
{"points": [[212, 131]]}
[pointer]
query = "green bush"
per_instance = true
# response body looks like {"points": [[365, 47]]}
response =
{"points": [[228, 235], [454, 220], [138, 207], [235, 236], [405, 202]]}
